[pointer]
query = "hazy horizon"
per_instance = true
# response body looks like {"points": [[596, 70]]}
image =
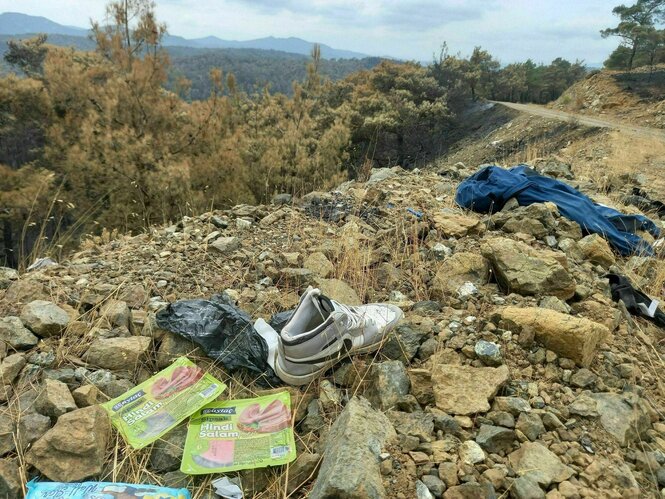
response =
{"points": [[512, 30]]}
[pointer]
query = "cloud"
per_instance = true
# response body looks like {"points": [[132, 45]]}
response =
{"points": [[423, 14], [512, 30]]}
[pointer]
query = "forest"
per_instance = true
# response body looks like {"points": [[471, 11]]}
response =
{"points": [[113, 139]]}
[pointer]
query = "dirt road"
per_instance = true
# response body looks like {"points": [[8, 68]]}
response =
{"points": [[536, 110]]}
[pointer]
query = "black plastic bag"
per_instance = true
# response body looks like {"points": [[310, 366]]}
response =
{"points": [[223, 331], [279, 320]]}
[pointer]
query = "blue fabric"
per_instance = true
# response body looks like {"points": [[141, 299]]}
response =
{"points": [[488, 190]]}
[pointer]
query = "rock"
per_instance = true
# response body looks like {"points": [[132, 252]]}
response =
{"points": [[118, 353], [457, 225], [495, 439], [302, 471], [388, 383], [502, 418], [7, 276], [525, 487], [10, 480], [44, 318], [465, 390], [519, 268], [624, 416], [75, 448], [554, 303], [539, 463], [488, 352], [471, 453], [388, 276], [32, 427], [403, 343], [466, 290], [54, 399], [513, 405], [318, 263], [448, 473], [439, 251], [584, 405], [7, 430], [23, 290], [226, 244], [15, 334], [596, 250], [583, 378], [421, 386], [117, 313], [11, 366], [434, 484], [457, 270], [357, 436], [571, 337], [422, 491], [174, 346], [338, 291], [108, 383], [283, 198], [297, 276], [536, 219], [415, 424], [531, 425], [468, 491], [556, 169], [166, 453], [87, 395]]}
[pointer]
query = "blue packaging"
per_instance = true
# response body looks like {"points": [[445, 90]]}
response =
{"points": [[101, 490]]}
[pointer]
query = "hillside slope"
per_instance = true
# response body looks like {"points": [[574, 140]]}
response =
{"points": [[637, 96], [474, 397]]}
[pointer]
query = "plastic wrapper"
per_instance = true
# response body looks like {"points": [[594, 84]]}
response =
{"points": [[240, 434], [151, 409], [101, 490]]}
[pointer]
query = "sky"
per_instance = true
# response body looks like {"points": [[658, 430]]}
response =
{"points": [[512, 30]]}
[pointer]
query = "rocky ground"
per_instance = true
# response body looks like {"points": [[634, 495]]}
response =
{"points": [[513, 373]]}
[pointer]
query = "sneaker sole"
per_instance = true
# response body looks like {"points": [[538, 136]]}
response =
{"points": [[307, 378]]}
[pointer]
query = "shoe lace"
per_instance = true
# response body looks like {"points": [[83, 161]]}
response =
{"points": [[355, 318]]}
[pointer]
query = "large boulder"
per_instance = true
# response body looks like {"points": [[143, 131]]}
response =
{"points": [[122, 354], [350, 466], [528, 271], [466, 390], [575, 338], [74, 449], [44, 318], [457, 270]]}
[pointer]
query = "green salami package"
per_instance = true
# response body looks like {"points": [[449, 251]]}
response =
{"points": [[240, 434], [151, 409]]}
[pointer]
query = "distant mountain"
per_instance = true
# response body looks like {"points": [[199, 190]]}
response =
{"points": [[12, 23]]}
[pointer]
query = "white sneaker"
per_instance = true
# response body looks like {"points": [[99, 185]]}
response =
{"points": [[322, 331]]}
